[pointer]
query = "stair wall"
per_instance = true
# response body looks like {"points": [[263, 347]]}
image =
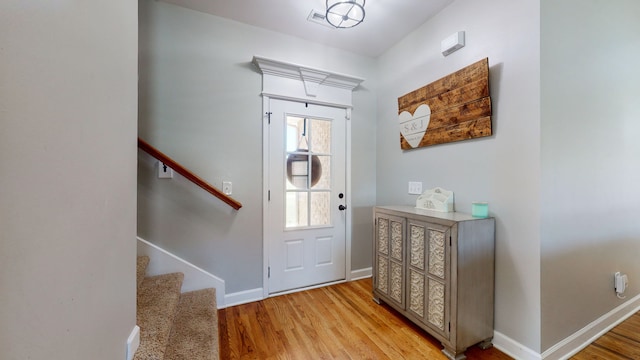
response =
{"points": [[195, 278]]}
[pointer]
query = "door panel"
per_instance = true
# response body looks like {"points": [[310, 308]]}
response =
{"points": [[307, 229], [428, 294], [390, 238]]}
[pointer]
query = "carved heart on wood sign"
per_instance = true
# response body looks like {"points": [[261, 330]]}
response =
{"points": [[413, 127]]}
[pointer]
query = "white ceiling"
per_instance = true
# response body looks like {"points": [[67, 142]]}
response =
{"points": [[385, 23]]}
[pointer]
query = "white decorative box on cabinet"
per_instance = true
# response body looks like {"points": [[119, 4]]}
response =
{"points": [[437, 269]]}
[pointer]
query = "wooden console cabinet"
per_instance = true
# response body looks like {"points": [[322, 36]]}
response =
{"points": [[437, 269]]}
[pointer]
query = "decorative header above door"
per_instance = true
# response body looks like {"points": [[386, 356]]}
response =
{"points": [[296, 82]]}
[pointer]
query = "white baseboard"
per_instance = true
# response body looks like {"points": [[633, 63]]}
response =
{"points": [[585, 336], [574, 343], [361, 274], [513, 348], [195, 278], [133, 342], [243, 297]]}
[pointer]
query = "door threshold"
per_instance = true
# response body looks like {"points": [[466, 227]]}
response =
{"points": [[307, 288]]}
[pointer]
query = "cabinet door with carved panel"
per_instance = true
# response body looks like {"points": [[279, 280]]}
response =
{"points": [[428, 289], [389, 278]]}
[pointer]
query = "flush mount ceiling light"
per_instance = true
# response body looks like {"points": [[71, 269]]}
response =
{"points": [[345, 13]]}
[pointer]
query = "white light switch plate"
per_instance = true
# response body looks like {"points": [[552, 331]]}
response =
{"points": [[415, 187], [226, 187]]}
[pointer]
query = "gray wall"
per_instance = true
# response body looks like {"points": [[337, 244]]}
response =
{"points": [[502, 169], [590, 160], [68, 100], [200, 104]]}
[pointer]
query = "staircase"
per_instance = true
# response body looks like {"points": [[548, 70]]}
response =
{"points": [[174, 325]]}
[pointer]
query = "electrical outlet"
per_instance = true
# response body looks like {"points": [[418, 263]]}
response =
{"points": [[226, 187], [621, 282], [415, 188]]}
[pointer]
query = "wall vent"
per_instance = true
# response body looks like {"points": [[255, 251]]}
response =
{"points": [[319, 17]]}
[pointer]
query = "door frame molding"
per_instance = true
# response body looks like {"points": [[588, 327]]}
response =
{"points": [[292, 82]]}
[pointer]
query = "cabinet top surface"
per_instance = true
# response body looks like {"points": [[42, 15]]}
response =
{"points": [[453, 216]]}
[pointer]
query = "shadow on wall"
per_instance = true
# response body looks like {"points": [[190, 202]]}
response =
{"points": [[362, 237], [495, 78], [172, 208]]}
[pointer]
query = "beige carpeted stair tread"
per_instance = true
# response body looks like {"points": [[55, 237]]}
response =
{"points": [[141, 268], [195, 331], [158, 297]]}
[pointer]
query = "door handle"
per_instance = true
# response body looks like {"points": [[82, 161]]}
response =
{"points": [[342, 207]]}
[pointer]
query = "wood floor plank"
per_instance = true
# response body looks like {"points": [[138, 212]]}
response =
{"points": [[368, 321], [336, 322], [593, 352], [620, 345], [629, 328]]}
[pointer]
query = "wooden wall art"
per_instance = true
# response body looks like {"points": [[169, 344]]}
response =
{"points": [[456, 107]]}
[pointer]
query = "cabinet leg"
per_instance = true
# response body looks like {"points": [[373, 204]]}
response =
{"points": [[452, 354], [486, 344], [376, 300]]}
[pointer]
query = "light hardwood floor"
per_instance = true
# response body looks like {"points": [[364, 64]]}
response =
{"points": [[343, 322], [335, 322]]}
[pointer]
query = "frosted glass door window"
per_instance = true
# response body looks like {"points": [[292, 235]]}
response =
{"points": [[308, 172]]}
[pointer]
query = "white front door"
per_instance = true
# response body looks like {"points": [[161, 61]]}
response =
{"points": [[307, 195]]}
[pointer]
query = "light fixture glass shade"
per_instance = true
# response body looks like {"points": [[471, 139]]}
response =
{"points": [[345, 13]]}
